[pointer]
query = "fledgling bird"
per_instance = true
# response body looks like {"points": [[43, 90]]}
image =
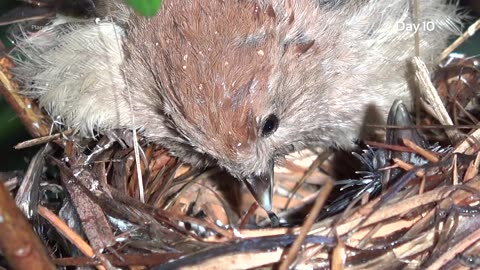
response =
{"points": [[236, 83]]}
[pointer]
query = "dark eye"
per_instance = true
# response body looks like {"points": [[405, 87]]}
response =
{"points": [[270, 125]]}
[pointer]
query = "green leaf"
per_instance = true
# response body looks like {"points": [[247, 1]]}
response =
{"points": [[145, 7]]}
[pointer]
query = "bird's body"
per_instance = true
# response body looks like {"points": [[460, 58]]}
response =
{"points": [[235, 83]]}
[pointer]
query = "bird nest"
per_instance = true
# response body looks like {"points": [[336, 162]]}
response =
{"points": [[100, 203]]}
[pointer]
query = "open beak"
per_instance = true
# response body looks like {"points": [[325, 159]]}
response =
{"points": [[261, 187]]}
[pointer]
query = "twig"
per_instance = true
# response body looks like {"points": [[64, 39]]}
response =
{"points": [[419, 150], [465, 147], [27, 112], [18, 243], [455, 170], [315, 164], [460, 40], [472, 169], [456, 249], [392, 147], [430, 94], [28, 193], [339, 255], [423, 126], [127, 259], [406, 166], [43, 139], [247, 215], [68, 233], [307, 225]]}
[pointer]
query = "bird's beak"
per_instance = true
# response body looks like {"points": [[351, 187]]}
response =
{"points": [[399, 116], [261, 187]]}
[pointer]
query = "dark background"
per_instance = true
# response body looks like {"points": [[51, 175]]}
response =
{"points": [[12, 131]]}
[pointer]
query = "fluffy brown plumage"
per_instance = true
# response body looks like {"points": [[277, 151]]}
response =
{"points": [[234, 83]]}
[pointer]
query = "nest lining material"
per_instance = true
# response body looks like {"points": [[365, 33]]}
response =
{"points": [[203, 219]]}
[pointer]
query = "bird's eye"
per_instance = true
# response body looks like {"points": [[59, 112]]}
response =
{"points": [[270, 125]]}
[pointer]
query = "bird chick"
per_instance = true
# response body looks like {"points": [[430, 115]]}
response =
{"points": [[236, 83]]}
